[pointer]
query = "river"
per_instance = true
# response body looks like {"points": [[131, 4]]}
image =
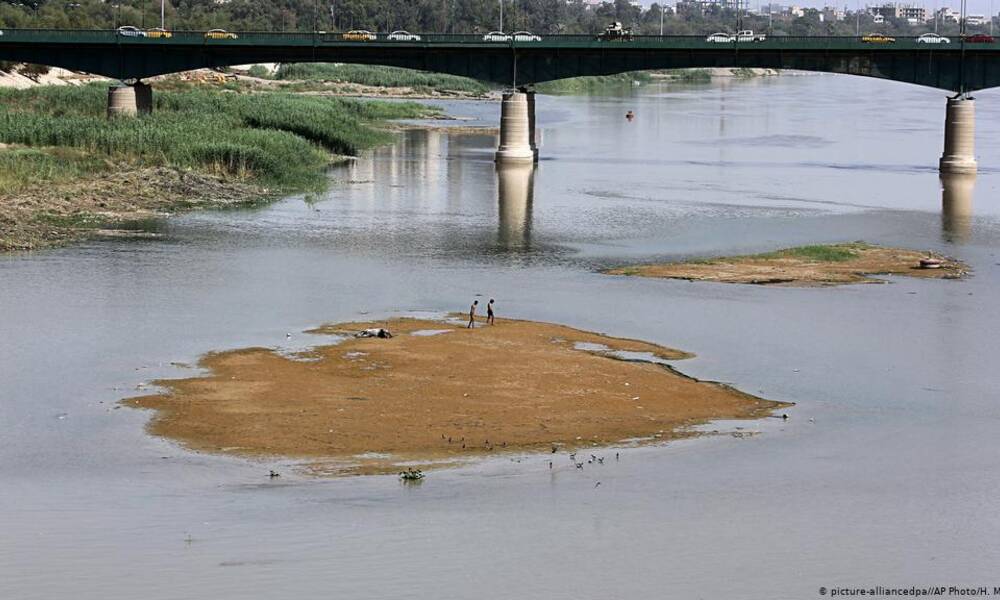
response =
{"points": [[885, 474]]}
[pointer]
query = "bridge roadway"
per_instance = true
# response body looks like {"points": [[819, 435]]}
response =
{"points": [[957, 66]]}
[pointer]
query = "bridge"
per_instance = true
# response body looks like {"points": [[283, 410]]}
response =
{"points": [[957, 66], [960, 66]]}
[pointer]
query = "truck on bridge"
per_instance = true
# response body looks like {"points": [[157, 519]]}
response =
{"points": [[616, 33]]}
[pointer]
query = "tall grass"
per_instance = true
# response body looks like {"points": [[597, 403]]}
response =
{"points": [[21, 168], [280, 139], [380, 76]]}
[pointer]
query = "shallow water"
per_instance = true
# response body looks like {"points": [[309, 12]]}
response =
{"points": [[885, 474]]}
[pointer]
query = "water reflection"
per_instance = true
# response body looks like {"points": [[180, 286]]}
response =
{"points": [[956, 207], [516, 186]]}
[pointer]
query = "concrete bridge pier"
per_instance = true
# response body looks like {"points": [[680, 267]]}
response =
{"points": [[143, 97], [959, 136], [532, 136], [515, 128], [129, 100]]}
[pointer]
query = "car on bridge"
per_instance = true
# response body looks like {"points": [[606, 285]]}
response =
{"points": [[158, 32], [496, 36], [220, 34], [720, 38], [359, 35], [932, 38], [979, 38], [878, 38], [130, 31], [526, 36], [747, 35], [403, 36]]}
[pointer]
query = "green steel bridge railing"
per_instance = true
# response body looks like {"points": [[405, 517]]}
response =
{"points": [[548, 42]]}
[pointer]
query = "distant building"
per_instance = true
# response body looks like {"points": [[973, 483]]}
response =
{"points": [[912, 13], [830, 14], [886, 11], [706, 5], [947, 15]]}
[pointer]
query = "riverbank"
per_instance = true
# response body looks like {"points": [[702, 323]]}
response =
{"points": [[119, 203], [438, 393], [820, 265], [335, 79], [66, 171]]}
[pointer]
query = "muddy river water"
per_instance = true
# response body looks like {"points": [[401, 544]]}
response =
{"points": [[885, 474]]}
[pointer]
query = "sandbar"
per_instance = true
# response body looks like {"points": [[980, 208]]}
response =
{"points": [[805, 266], [437, 393]]}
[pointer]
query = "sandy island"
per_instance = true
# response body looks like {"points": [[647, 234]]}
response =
{"points": [[835, 264], [438, 393]]}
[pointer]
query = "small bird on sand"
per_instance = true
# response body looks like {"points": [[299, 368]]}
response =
{"points": [[273, 474], [550, 464], [597, 484], [554, 449], [616, 456], [600, 460], [579, 465]]}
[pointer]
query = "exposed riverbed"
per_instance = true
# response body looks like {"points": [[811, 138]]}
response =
{"points": [[884, 474], [437, 392]]}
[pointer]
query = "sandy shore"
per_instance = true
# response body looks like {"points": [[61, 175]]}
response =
{"points": [[368, 405], [835, 264]]}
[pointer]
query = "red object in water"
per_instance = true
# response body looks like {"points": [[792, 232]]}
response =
{"points": [[979, 38]]}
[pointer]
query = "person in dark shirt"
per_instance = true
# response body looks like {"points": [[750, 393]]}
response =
{"points": [[489, 313], [472, 314]]}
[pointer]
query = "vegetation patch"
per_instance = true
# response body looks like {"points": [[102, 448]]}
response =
{"points": [[813, 265], [819, 253], [380, 76], [271, 143], [686, 75], [594, 85]]}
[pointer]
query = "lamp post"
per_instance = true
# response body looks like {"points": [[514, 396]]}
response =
{"points": [[163, 15], [501, 15]]}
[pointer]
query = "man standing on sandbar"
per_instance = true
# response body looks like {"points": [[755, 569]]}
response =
{"points": [[489, 313], [472, 314]]}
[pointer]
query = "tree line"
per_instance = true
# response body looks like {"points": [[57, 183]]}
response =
{"points": [[453, 16]]}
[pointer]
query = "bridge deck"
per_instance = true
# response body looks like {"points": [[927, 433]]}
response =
{"points": [[956, 66]]}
